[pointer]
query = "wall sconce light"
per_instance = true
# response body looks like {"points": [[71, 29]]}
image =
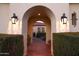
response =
{"points": [[74, 19], [64, 19], [14, 18]]}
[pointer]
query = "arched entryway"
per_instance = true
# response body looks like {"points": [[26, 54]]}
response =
{"points": [[47, 22], [34, 14]]}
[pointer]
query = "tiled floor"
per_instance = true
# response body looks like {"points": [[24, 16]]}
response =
{"points": [[38, 48]]}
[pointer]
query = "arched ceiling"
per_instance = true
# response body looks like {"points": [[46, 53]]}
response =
{"points": [[38, 12]]}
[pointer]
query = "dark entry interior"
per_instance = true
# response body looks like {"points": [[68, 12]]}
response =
{"points": [[39, 30]]}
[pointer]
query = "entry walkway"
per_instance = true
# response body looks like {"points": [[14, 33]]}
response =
{"points": [[38, 48]]}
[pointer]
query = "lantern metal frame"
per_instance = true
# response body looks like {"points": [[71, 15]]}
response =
{"points": [[14, 18], [64, 19]]}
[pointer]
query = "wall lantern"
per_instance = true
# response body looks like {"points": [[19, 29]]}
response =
{"points": [[64, 19], [14, 18], [74, 19]]}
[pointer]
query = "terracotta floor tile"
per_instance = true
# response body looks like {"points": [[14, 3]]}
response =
{"points": [[38, 48]]}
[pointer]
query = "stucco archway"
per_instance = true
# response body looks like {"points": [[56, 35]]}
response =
{"points": [[31, 14]]}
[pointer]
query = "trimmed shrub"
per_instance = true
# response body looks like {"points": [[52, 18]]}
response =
{"points": [[11, 45], [66, 44]]}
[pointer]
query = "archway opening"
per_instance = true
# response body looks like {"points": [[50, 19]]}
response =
{"points": [[42, 27], [45, 21], [39, 30], [38, 13]]}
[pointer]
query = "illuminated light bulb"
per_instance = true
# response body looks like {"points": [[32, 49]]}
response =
{"points": [[39, 14]]}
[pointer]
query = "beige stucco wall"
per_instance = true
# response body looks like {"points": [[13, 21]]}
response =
{"points": [[74, 7], [7, 10], [58, 9], [4, 17]]}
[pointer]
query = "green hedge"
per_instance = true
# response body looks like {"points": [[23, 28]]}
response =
{"points": [[11, 45], [66, 44]]}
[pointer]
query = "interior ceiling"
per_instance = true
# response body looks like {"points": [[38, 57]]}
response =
{"points": [[39, 24]]}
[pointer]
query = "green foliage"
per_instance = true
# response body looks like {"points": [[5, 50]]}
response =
{"points": [[11, 45], [66, 44]]}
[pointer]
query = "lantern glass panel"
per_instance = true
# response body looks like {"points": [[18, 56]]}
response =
{"points": [[64, 20], [13, 20]]}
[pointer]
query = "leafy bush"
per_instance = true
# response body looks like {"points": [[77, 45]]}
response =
{"points": [[11, 45], [66, 44]]}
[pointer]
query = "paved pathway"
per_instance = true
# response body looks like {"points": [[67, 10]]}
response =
{"points": [[38, 48]]}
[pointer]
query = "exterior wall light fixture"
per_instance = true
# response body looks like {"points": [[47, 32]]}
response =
{"points": [[14, 18], [64, 19]]}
